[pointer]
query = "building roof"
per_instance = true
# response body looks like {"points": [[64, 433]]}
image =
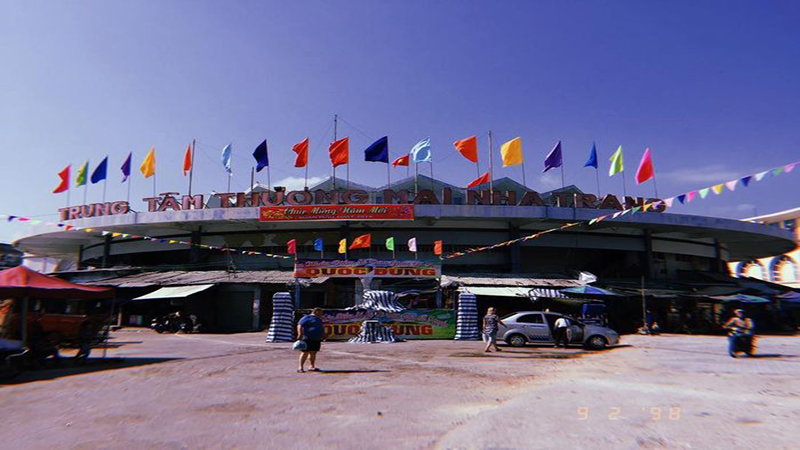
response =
{"points": [[189, 278], [506, 280]]}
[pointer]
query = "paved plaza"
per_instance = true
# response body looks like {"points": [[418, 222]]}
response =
{"points": [[236, 392]]}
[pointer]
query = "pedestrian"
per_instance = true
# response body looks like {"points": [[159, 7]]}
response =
{"points": [[311, 331], [490, 327], [560, 331], [740, 333]]}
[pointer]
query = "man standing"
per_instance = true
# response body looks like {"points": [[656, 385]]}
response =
{"points": [[560, 331], [311, 331]]}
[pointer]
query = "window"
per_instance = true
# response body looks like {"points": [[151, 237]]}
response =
{"points": [[789, 224], [530, 318]]}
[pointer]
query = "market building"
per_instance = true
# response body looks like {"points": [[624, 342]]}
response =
{"points": [[227, 275], [783, 268]]}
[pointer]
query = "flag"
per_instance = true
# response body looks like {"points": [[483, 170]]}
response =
{"points": [[616, 163], [187, 160], [148, 167], [226, 158], [126, 167], [421, 151], [512, 152], [437, 248], [340, 152], [100, 171], [64, 184], [363, 241], [483, 179], [401, 161], [302, 153], [318, 244], [553, 158], [80, 179], [378, 151], [645, 170], [343, 246], [261, 156], [468, 148], [291, 247], [592, 162], [412, 245], [390, 243]]}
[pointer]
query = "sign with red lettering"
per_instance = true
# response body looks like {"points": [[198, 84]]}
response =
{"points": [[364, 267], [408, 324], [336, 212]]}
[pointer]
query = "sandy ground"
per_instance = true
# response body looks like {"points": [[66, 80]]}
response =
{"points": [[235, 392]]}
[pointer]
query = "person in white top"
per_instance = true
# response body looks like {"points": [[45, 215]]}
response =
{"points": [[560, 332]]}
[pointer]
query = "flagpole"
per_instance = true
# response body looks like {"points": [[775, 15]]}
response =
{"points": [[129, 190], [305, 183], [68, 189], [229, 184], [624, 190], [562, 173], [655, 186], [253, 177], [432, 179], [416, 178], [191, 169], [105, 183], [269, 175], [335, 137], [524, 183], [491, 166], [597, 175], [388, 175], [154, 184]]}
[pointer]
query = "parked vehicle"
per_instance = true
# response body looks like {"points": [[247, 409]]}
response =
{"points": [[536, 327], [12, 358], [175, 322]]}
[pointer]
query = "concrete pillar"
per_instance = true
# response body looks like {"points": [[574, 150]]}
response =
{"points": [[106, 251], [514, 251], [194, 250], [79, 264], [647, 261]]}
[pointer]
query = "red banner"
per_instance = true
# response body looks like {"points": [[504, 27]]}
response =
{"points": [[336, 212]]}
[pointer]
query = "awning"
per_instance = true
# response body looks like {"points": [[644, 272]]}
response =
{"points": [[496, 291], [547, 293], [174, 292]]}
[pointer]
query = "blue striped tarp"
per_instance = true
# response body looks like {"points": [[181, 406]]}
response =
{"points": [[281, 328]]}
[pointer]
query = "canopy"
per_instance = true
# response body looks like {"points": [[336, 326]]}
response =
{"points": [[509, 291], [24, 282], [174, 292], [589, 290], [742, 298], [791, 295]]}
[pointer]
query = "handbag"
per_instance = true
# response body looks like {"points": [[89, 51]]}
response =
{"points": [[299, 345]]}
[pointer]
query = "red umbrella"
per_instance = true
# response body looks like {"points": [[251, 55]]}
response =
{"points": [[24, 282]]}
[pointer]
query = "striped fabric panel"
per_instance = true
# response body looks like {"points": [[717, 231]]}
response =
{"points": [[281, 327], [547, 293], [372, 331], [380, 301], [467, 321]]}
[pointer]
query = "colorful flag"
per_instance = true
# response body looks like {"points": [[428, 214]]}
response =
{"points": [[100, 171], [401, 161], [64, 184], [390, 243], [483, 179], [363, 241], [437, 248], [690, 196], [617, 165], [343, 246], [746, 180], [592, 161], [261, 155], [126, 167], [703, 192], [302, 153], [187, 160], [646, 170], [412, 245], [553, 158], [717, 188], [340, 152], [512, 152], [421, 152], [318, 244], [731, 185], [148, 167], [227, 152], [291, 247], [681, 198], [378, 151], [468, 148], [80, 179]]}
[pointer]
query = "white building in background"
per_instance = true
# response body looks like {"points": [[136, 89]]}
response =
{"points": [[783, 269]]}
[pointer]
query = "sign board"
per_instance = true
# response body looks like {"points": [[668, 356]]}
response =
{"points": [[408, 324], [366, 267], [336, 212]]}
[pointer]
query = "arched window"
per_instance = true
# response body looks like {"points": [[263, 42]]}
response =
{"points": [[752, 269], [783, 269]]}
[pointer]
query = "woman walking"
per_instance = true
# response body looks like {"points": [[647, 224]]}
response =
{"points": [[490, 327]]}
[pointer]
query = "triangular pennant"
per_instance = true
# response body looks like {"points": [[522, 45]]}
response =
{"points": [[777, 171], [731, 185], [760, 176], [669, 202], [681, 198], [690, 196], [746, 180], [704, 192], [592, 221], [789, 167], [646, 206], [717, 188], [635, 210]]}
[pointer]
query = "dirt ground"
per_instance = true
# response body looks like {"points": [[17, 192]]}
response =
{"points": [[236, 392]]}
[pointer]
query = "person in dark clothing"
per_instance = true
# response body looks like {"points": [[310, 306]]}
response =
{"points": [[310, 330]]}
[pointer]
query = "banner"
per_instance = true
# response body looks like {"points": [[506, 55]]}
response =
{"points": [[364, 267], [336, 212], [409, 324]]}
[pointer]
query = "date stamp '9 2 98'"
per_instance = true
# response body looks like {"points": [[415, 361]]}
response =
{"points": [[655, 413]]}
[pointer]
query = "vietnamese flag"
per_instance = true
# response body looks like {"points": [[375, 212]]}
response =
{"points": [[437, 248], [363, 241], [302, 153], [340, 152], [645, 170], [401, 161], [64, 185], [291, 247], [468, 148], [187, 160], [483, 179]]}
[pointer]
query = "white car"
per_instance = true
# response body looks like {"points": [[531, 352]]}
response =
{"points": [[537, 327]]}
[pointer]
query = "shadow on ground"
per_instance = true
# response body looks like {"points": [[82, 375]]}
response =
{"points": [[67, 367]]}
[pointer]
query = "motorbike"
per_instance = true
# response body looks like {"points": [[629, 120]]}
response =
{"points": [[12, 361], [172, 323]]}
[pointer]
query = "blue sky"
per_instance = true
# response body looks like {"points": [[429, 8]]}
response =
{"points": [[710, 86]]}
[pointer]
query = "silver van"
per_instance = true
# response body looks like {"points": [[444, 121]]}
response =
{"points": [[537, 327]]}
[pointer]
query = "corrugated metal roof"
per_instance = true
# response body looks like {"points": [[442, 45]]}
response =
{"points": [[190, 278], [518, 292], [507, 280], [174, 292]]}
